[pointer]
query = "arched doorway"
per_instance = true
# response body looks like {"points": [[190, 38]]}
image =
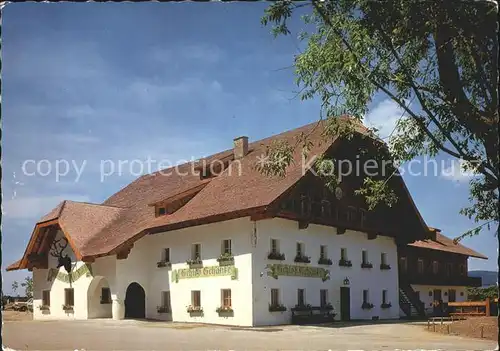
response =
{"points": [[135, 301], [99, 304]]}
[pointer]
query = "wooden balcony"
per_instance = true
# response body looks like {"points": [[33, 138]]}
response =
{"points": [[440, 279]]}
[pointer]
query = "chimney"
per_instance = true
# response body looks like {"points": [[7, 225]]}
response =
{"points": [[240, 147]]}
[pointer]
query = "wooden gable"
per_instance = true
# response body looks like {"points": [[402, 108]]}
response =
{"points": [[310, 201]]}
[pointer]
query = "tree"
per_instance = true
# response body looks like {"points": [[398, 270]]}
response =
{"points": [[436, 60], [15, 286], [28, 286]]}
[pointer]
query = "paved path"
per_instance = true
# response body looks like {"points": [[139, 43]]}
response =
{"points": [[139, 335]]}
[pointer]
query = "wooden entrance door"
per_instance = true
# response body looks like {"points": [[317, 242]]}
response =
{"points": [[345, 303], [438, 307], [452, 295], [135, 301]]}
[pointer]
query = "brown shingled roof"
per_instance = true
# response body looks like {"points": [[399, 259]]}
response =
{"points": [[443, 243], [98, 230]]}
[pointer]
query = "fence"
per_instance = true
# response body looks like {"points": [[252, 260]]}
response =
{"points": [[470, 308]]}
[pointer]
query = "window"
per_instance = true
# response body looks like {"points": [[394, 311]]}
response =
{"points": [[46, 297], [300, 249], [343, 254], [275, 297], [365, 296], [384, 296], [323, 297], [462, 269], [420, 266], [162, 211], [449, 268], [165, 300], [403, 264], [105, 295], [274, 246], [301, 301], [196, 251], [69, 297], [226, 297], [323, 252], [166, 255], [226, 246], [364, 256], [196, 298], [435, 267], [383, 258]]}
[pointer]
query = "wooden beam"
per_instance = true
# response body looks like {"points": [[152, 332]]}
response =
{"points": [[124, 252], [303, 224], [340, 230], [372, 235], [261, 216], [88, 259]]}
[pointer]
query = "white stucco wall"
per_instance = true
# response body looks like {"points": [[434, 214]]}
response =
{"points": [[210, 237], [250, 291], [288, 234], [57, 287], [424, 291]]}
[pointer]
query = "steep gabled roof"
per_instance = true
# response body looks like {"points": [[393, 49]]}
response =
{"points": [[443, 243], [98, 230]]}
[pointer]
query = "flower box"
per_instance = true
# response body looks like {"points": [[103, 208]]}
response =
{"points": [[325, 261], [277, 308], [385, 266], [386, 305], [366, 265], [44, 308], [67, 308], [367, 306], [195, 262], [302, 259], [276, 256], [162, 309], [303, 308], [162, 264], [195, 309], [224, 309], [345, 263], [226, 259]]}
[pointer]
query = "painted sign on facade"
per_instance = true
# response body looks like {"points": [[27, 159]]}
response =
{"points": [[288, 270], [72, 276], [204, 272]]}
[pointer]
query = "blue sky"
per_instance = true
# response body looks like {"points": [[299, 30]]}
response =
{"points": [[90, 82]]}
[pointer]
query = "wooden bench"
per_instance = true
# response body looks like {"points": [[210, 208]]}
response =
{"points": [[312, 315]]}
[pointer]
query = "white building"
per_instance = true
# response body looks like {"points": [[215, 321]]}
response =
{"points": [[204, 243]]}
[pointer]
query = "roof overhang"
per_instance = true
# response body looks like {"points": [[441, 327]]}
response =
{"points": [[38, 242]]}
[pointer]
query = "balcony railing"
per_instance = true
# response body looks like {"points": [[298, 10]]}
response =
{"points": [[440, 279]]}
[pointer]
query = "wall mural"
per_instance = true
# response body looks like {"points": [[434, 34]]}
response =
{"points": [[85, 269], [288, 270], [205, 272]]}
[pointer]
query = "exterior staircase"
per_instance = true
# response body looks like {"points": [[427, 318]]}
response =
{"points": [[410, 304]]}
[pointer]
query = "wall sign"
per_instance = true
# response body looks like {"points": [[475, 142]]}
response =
{"points": [[85, 269], [204, 272], [288, 270]]}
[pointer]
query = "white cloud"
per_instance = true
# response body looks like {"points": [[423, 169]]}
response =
{"points": [[36, 207], [456, 172], [384, 116]]}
